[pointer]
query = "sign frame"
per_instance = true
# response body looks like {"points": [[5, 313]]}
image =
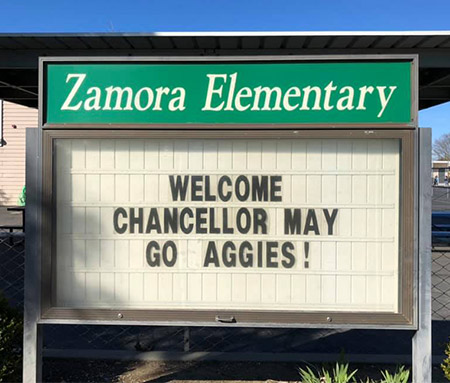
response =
{"points": [[241, 317], [407, 316], [412, 59]]}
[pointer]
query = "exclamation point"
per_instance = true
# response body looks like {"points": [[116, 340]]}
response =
{"points": [[306, 255]]}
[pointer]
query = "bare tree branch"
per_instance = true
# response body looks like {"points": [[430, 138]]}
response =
{"points": [[441, 148]]}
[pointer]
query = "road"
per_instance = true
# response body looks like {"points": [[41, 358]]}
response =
{"points": [[441, 198]]}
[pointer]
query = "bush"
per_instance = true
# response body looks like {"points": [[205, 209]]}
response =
{"points": [[446, 364], [11, 330], [341, 374], [400, 376]]}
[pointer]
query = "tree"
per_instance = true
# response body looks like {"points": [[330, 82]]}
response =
{"points": [[441, 148]]}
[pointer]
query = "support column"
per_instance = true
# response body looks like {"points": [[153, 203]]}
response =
{"points": [[421, 346], [32, 331]]}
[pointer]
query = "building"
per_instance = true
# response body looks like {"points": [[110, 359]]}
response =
{"points": [[440, 170], [14, 119]]}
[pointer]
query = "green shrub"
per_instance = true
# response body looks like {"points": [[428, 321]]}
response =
{"points": [[446, 364], [400, 376], [11, 329], [341, 374]]}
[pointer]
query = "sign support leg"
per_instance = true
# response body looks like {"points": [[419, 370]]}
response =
{"points": [[421, 344], [32, 339], [32, 353]]}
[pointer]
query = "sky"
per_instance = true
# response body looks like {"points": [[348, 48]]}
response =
{"points": [[233, 15], [437, 118], [223, 15]]}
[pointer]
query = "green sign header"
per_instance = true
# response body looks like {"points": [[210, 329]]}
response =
{"points": [[229, 93]]}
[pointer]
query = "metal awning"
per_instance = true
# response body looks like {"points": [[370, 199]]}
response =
{"points": [[19, 53]]}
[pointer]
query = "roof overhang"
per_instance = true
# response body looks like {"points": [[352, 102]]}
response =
{"points": [[19, 53]]}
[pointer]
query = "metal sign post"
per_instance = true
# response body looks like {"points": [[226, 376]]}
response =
{"points": [[32, 338], [422, 338]]}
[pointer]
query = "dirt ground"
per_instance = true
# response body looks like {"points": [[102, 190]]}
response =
{"points": [[80, 370]]}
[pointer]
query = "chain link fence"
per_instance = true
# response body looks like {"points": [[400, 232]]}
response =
{"points": [[202, 339], [441, 283], [12, 261]]}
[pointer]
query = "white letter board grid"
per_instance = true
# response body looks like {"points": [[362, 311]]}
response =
{"points": [[355, 269]]}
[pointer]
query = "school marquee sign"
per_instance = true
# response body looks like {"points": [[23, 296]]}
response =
{"points": [[257, 192], [139, 93]]}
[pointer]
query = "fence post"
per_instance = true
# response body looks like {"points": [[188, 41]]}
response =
{"points": [[421, 350], [187, 339], [32, 332]]}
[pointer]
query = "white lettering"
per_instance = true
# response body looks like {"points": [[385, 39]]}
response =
{"points": [[362, 96], [346, 102], [137, 99], [80, 78], [231, 91], [328, 89], [177, 103], [291, 92], [211, 91], [93, 103], [119, 93], [383, 100], [259, 98], [242, 93], [306, 92], [159, 93], [268, 92]]}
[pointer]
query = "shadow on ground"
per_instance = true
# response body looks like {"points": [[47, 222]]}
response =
{"points": [[59, 370]]}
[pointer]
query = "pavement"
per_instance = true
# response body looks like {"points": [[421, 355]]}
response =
{"points": [[73, 370], [441, 198]]}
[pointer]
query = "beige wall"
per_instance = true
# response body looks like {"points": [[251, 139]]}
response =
{"points": [[16, 119]]}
